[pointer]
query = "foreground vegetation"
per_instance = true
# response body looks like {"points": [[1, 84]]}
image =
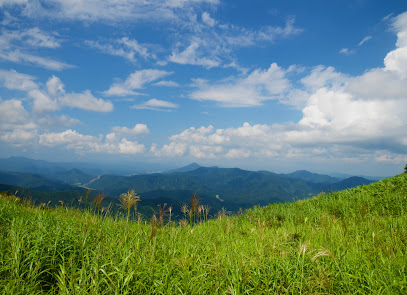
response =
{"points": [[348, 242]]}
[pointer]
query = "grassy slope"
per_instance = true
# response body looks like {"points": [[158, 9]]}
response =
{"points": [[353, 241]]}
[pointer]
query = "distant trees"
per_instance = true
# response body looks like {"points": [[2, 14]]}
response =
{"points": [[405, 169]]}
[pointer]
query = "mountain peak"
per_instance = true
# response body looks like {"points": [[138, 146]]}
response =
{"points": [[190, 167]]}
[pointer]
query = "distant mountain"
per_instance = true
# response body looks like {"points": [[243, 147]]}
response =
{"points": [[74, 176], [187, 168], [313, 177], [231, 188], [344, 176], [26, 165], [348, 183], [237, 187], [54, 169], [33, 181]]}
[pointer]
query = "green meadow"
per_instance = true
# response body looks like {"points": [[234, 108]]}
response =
{"points": [[348, 242]]}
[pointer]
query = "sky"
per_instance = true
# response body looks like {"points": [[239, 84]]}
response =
{"points": [[260, 85]]}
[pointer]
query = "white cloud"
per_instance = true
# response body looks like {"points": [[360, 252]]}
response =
{"points": [[129, 147], [191, 56], [211, 46], [16, 125], [347, 51], [17, 81], [12, 113], [156, 105], [17, 56], [237, 153], [321, 76], [15, 46], [57, 121], [18, 137], [252, 90], [85, 101], [343, 117], [55, 87], [123, 47], [112, 11], [136, 80], [167, 84], [172, 150], [84, 144], [53, 97], [136, 130], [33, 37], [207, 19], [364, 40], [19, 127], [42, 102], [12, 2]]}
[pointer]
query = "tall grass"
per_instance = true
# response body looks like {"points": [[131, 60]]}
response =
{"points": [[349, 242]]}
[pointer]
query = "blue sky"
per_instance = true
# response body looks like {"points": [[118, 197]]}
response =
{"points": [[273, 85]]}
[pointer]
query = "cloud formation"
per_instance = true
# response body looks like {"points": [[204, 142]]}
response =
{"points": [[53, 97], [156, 105], [16, 46], [124, 47], [100, 10], [342, 116], [135, 81], [252, 90], [84, 144]]}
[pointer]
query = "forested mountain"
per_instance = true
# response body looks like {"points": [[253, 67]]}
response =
{"points": [[232, 188]]}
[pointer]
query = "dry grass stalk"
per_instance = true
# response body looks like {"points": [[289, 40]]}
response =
{"points": [[194, 206], [129, 200], [153, 224], [161, 214], [170, 210], [185, 210], [322, 253], [87, 194], [98, 199], [222, 213]]}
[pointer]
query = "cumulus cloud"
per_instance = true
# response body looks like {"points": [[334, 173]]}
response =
{"points": [[136, 80], [343, 117], [13, 115], [83, 144], [18, 137], [16, 125], [17, 81], [53, 97], [252, 90], [85, 101], [136, 130]]}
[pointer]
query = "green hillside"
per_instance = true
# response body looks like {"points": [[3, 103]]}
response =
{"points": [[33, 181], [348, 242]]}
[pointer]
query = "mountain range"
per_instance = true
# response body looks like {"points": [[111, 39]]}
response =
{"points": [[232, 188]]}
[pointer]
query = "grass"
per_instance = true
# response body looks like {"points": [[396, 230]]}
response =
{"points": [[348, 242]]}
